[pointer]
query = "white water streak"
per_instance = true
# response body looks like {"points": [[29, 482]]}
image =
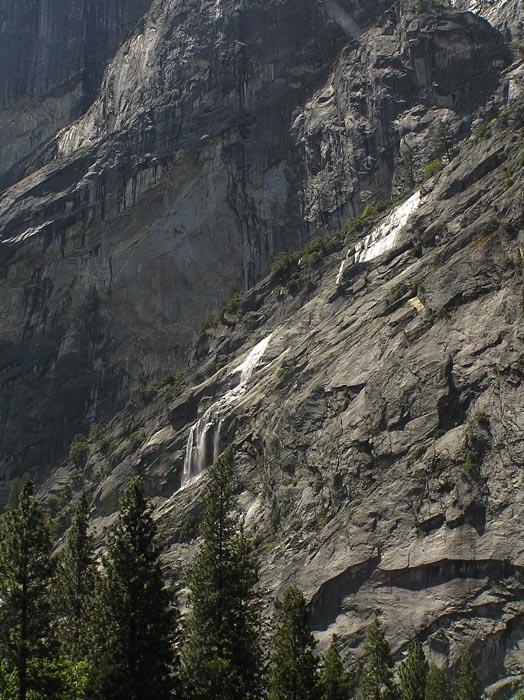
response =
{"points": [[384, 237], [341, 271], [203, 444]]}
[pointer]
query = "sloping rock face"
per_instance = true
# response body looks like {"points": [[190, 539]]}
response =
{"points": [[212, 145], [378, 434], [179, 183], [371, 387]]}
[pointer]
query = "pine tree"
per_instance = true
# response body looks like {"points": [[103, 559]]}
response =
{"points": [[375, 679], [294, 667], [25, 577], [222, 655], [468, 685], [134, 611], [334, 680], [437, 687], [75, 585], [413, 673]]}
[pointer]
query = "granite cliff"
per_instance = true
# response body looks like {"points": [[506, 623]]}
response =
{"points": [[371, 385]]}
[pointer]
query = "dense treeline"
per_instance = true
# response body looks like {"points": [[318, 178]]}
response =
{"points": [[78, 625]]}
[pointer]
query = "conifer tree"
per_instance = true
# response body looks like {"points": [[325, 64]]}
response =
{"points": [[75, 584], [334, 681], [222, 655], [375, 680], [468, 684], [413, 673], [134, 612], [25, 576], [294, 667], [437, 687]]}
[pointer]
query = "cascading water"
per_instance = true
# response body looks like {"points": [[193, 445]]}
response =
{"points": [[384, 237], [203, 444]]}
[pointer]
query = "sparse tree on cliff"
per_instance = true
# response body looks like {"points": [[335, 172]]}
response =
{"points": [[222, 657], [25, 577], [334, 681], [375, 680], [294, 667], [413, 673], [135, 612], [468, 685], [437, 687]]}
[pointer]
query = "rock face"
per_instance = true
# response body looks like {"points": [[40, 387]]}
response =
{"points": [[378, 432], [179, 183], [506, 15], [371, 386], [53, 55], [210, 147]]}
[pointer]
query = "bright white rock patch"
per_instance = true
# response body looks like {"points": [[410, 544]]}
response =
{"points": [[384, 237]]}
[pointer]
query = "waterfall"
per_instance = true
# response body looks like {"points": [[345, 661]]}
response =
{"points": [[203, 443], [341, 272], [384, 237]]}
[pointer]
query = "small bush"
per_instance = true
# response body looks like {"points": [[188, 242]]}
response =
{"points": [[295, 283], [481, 131], [371, 211], [232, 304], [283, 265], [433, 167], [136, 396], [79, 450]]}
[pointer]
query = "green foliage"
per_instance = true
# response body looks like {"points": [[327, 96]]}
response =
{"points": [[433, 167], [74, 585], [481, 131], [372, 210], [467, 686], [52, 679], [295, 283], [79, 450], [283, 265], [375, 680], [437, 687], [232, 304], [334, 681], [294, 672], [60, 679], [134, 613], [222, 656], [413, 673], [470, 467], [25, 580]]}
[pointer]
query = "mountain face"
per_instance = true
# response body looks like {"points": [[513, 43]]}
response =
{"points": [[371, 386], [506, 15]]}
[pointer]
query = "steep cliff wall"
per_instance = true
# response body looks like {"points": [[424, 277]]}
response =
{"points": [[179, 183], [53, 54], [372, 387], [506, 15]]}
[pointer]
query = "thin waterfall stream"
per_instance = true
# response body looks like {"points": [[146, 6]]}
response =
{"points": [[203, 444]]}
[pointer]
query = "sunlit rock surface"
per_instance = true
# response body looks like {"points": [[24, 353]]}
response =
{"points": [[373, 393]]}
